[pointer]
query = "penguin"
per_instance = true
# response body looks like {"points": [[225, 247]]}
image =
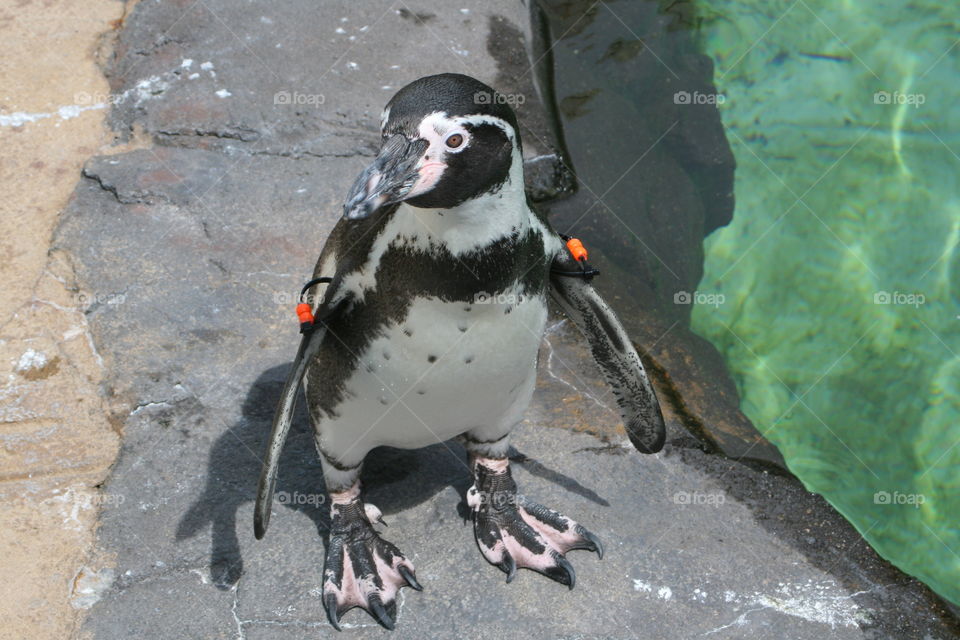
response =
{"points": [[430, 306]]}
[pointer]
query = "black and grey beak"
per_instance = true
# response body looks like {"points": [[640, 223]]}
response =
{"points": [[387, 180]]}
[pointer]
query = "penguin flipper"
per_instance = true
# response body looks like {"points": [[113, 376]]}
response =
{"points": [[614, 353], [283, 417]]}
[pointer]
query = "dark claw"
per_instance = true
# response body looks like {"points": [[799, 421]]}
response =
{"points": [[330, 604], [594, 540], [409, 577], [509, 566], [379, 612], [570, 579]]}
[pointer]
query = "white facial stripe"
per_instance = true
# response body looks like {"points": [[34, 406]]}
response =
{"points": [[384, 117], [435, 129], [478, 119]]}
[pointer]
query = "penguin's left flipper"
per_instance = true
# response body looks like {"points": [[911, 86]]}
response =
{"points": [[283, 416], [613, 352]]}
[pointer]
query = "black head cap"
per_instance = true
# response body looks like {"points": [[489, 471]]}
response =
{"points": [[454, 93]]}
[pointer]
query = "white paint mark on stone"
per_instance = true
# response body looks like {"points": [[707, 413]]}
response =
{"points": [[32, 360], [89, 586], [187, 63], [640, 585], [824, 602], [20, 118], [223, 93]]}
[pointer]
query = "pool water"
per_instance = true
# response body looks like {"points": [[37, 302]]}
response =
{"points": [[840, 272]]}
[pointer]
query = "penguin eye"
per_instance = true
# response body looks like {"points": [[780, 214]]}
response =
{"points": [[455, 140]]}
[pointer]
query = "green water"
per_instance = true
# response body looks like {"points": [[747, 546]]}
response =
{"points": [[840, 271]]}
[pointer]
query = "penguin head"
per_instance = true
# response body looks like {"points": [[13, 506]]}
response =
{"points": [[446, 139]]}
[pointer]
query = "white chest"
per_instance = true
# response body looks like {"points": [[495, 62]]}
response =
{"points": [[446, 369]]}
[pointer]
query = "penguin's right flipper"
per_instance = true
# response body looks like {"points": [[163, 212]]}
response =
{"points": [[283, 417], [614, 353]]}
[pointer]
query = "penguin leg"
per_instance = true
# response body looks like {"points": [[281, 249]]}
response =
{"points": [[514, 532], [362, 569]]}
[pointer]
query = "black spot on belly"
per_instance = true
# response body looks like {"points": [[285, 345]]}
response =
{"points": [[431, 358], [421, 391], [468, 359], [408, 332], [386, 355], [515, 262], [383, 400], [468, 309], [507, 310]]}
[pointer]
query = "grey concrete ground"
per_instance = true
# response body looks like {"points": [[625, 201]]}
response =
{"points": [[193, 250]]}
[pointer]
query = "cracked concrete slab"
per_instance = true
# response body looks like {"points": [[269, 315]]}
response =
{"points": [[208, 235]]}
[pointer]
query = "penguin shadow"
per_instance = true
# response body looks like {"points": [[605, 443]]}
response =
{"points": [[393, 479]]}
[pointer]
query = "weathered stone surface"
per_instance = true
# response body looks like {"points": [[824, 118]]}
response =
{"points": [[210, 241]]}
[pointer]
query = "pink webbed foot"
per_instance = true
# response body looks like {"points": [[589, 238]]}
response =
{"points": [[362, 569], [513, 532]]}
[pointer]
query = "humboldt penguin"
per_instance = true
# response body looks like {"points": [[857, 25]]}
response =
{"points": [[429, 306]]}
